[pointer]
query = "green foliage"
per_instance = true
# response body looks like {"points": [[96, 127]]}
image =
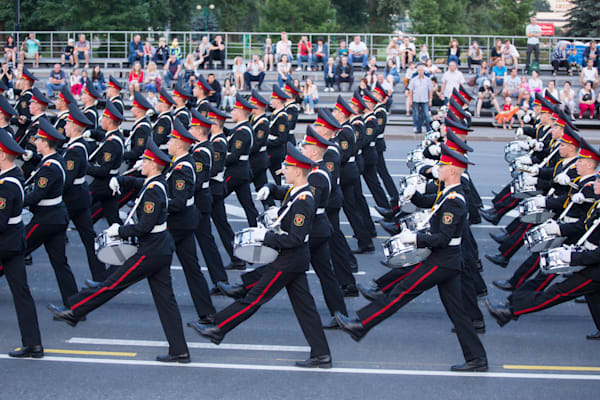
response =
{"points": [[541, 6], [584, 18], [297, 16]]}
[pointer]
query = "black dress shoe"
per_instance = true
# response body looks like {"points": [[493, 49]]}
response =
{"points": [[211, 332], [81, 319], [350, 290], [353, 267], [332, 324], [238, 265], [63, 314], [235, 291], [581, 300], [387, 213], [504, 285], [315, 362], [36, 351], [369, 293], [386, 264], [28, 259], [476, 365], [492, 217], [499, 238], [364, 250], [204, 320], [351, 326], [390, 227], [501, 313], [216, 292], [593, 336], [498, 259], [373, 235], [179, 358], [92, 284]]}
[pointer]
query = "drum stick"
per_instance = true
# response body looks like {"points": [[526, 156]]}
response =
{"points": [[129, 171]]}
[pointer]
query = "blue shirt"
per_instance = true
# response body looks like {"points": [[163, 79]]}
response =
{"points": [[500, 72]]}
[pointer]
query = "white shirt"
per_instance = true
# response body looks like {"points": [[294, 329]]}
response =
{"points": [[533, 29], [284, 47], [354, 48], [452, 80], [254, 68]]}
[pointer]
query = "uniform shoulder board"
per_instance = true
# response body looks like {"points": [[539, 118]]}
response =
{"points": [[302, 197], [178, 166], [456, 195], [150, 186], [47, 164]]}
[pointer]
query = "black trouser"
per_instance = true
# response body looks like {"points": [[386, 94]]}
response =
{"points": [[244, 196], [360, 218], [385, 176], [107, 207], [274, 166], [535, 49], [272, 281], [329, 82], [53, 239], [185, 247], [537, 283], [556, 64], [209, 249], [421, 277], [370, 176], [82, 219], [471, 61], [13, 266], [248, 77], [219, 217], [340, 251], [320, 259], [510, 246], [157, 269], [525, 271], [349, 80], [216, 55]]}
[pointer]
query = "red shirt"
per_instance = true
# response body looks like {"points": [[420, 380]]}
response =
{"points": [[304, 49], [136, 77]]}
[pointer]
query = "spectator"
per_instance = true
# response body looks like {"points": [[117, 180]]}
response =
{"points": [[573, 62], [407, 52], [508, 112], [567, 99], [10, 51], [98, 79], [453, 52], [586, 100], [371, 74], [320, 54], [498, 73], [525, 103], [511, 84], [202, 52], [329, 73], [420, 95], [284, 47], [7, 76], [560, 58], [424, 54], [84, 78], [475, 57], [229, 92], [510, 55], [148, 52], [589, 73], [430, 68], [67, 54], [152, 98], [342, 51], [190, 83], [238, 70], [82, 51], [152, 78], [451, 80], [551, 89], [496, 53], [215, 95], [410, 73], [255, 72], [358, 52], [173, 69], [484, 73], [533, 32], [268, 54], [284, 70], [75, 81], [310, 95], [486, 98], [19, 82], [30, 49], [136, 51], [344, 74], [174, 49], [161, 54], [393, 50], [56, 81], [304, 53], [523, 88], [216, 51], [438, 99], [535, 83], [189, 67], [592, 52], [136, 78]]}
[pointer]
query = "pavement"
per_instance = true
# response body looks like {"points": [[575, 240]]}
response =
{"points": [[111, 355]]}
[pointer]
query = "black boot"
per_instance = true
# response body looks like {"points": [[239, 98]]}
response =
{"points": [[63, 314], [179, 358], [476, 365], [369, 293]]}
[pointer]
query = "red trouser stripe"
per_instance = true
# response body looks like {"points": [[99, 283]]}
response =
{"points": [[126, 196], [250, 286], [518, 240], [504, 197], [528, 273], [545, 283], [228, 178], [134, 266], [516, 229], [33, 228], [255, 302], [558, 296], [98, 211], [391, 285], [397, 299], [508, 206]]}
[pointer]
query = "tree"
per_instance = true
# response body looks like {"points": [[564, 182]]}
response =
{"points": [[350, 15], [584, 18], [238, 15], [541, 6], [297, 16], [438, 16]]}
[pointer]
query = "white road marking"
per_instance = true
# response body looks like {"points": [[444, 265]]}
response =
{"points": [[283, 368], [234, 210], [180, 268]]}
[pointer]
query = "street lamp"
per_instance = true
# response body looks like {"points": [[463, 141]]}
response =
{"points": [[207, 10]]}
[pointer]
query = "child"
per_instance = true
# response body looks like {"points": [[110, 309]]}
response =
{"points": [[152, 98], [228, 96], [75, 83], [507, 116], [423, 54], [68, 53], [573, 63]]}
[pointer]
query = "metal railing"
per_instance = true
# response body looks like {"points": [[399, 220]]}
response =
{"points": [[114, 44]]}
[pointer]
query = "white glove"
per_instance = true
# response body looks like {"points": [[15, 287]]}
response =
{"points": [[524, 160], [524, 145], [519, 133], [435, 149], [531, 141], [435, 125], [520, 114], [539, 146], [564, 254], [578, 198], [435, 171], [527, 118], [420, 187], [259, 234], [409, 192], [562, 179], [407, 237], [435, 135], [263, 193], [87, 134], [530, 180], [551, 227], [113, 231], [27, 155], [113, 184], [539, 201], [534, 170], [138, 165]]}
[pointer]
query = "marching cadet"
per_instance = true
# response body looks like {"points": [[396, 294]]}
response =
{"points": [[181, 112], [292, 109], [202, 153], [441, 268], [237, 167], [164, 123], [37, 109], [104, 163], [6, 113], [140, 131], [287, 271], [27, 79], [201, 92], [48, 226], [152, 260], [217, 185], [76, 192], [12, 247], [113, 93], [259, 161], [278, 132], [89, 98], [63, 100]]}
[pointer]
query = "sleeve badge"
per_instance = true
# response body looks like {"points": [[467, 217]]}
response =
{"points": [[70, 165], [160, 130], [140, 142], [107, 157], [369, 131], [148, 207], [447, 218], [2, 203], [199, 167], [281, 127], [217, 156], [344, 145], [42, 182], [238, 144], [299, 220], [330, 166], [180, 184], [260, 134]]}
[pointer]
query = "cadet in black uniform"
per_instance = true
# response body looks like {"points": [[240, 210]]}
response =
{"points": [[49, 223], [237, 167], [6, 113], [278, 132], [287, 271], [164, 123], [140, 131], [22, 105], [201, 92], [441, 268], [12, 247], [181, 112], [89, 98], [259, 161], [113, 93], [292, 109], [63, 100], [37, 109], [152, 261]]}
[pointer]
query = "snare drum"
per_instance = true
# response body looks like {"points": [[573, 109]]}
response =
{"points": [[399, 254], [114, 250], [537, 239], [513, 150], [247, 248], [415, 221], [521, 190], [532, 214], [410, 180], [550, 263], [414, 157], [268, 217]]}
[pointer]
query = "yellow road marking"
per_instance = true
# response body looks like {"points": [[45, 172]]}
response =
{"points": [[552, 368], [88, 352]]}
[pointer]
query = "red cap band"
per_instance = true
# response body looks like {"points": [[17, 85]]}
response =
{"points": [[322, 122], [148, 155], [447, 160], [73, 120], [291, 161]]}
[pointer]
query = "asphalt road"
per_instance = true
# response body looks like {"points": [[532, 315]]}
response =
{"points": [[111, 355]]}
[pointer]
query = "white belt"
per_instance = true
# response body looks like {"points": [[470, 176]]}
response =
{"points": [[589, 246], [320, 211], [159, 228], [79, 181], [15, 220], [189, 202], [219, 177], [50, 202], [568, 220], [243, 157], [455, 241], [306, 238], [263, 148], [272, 137], [359, 152], [205, 185], [380, 136], [351, 159], [372, 144], [114, 171]]}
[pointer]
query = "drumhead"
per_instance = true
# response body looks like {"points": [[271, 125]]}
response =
{"points": [[116, 254], [255, 253]]}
